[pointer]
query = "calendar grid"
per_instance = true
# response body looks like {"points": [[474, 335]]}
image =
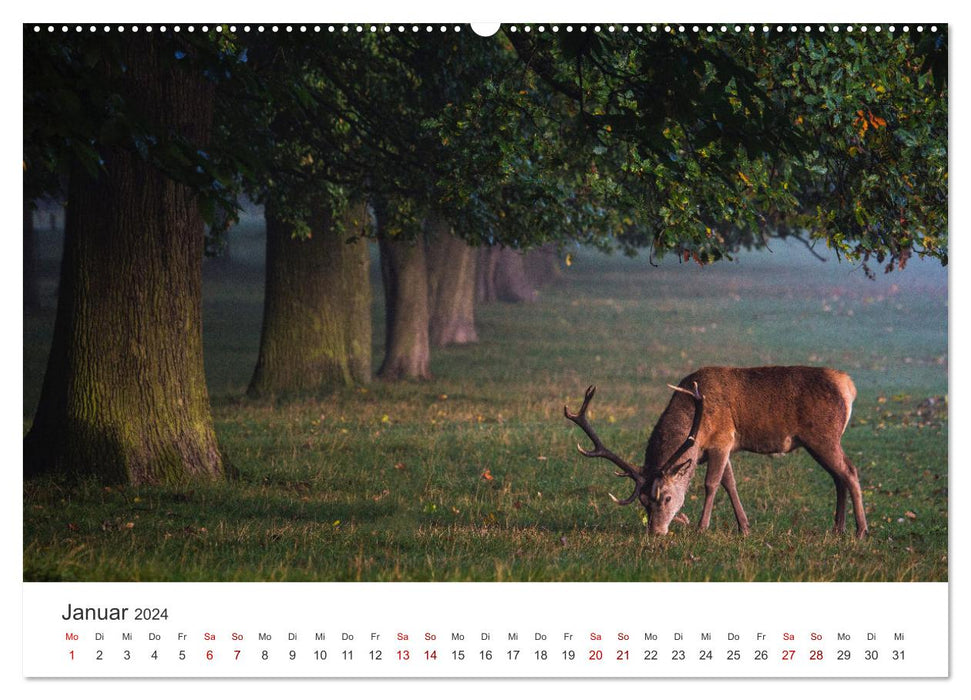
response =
{"points": [[476, 630]]}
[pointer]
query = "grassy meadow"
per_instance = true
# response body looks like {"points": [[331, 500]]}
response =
{"points": [[475, 476]]}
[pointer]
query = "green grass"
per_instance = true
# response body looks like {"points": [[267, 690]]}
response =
{"points": [[387, 482]]}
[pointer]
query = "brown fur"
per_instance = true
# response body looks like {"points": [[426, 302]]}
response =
{"points": [[766, 410]]}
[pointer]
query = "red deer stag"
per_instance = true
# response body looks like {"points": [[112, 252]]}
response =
{"points": [[720, 410]]}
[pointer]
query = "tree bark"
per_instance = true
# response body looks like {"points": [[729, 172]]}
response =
{"points": [[485, 276], [502, 276], [124, 396], [405, 277], [542, 265], [317, 307], [451, 287]]}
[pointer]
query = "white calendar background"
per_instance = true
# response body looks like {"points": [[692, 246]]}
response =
{"points": [[461, 630]]}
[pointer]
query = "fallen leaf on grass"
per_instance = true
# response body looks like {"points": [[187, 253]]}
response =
{"points": [[487, 475]]}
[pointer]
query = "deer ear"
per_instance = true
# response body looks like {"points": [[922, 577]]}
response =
{"points": [[679, 468]]}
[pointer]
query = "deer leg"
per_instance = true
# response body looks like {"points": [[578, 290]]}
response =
{"points": [[857, 494], [839, 522], [717, 462], [728, 481], [834, 460]]}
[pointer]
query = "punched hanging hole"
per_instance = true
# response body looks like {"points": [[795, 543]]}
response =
{"points": [[485, 28]]}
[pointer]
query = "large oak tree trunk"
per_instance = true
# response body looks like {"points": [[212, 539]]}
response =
{"points": [[317, 306], [124, 395], [405, 277], [451, 287]]}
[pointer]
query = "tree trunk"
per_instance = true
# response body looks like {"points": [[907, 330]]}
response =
{"points": [[502, 276], [542, 265], [451, 287], [485, 275], [317, 307], [405, 277], [124, 396]]}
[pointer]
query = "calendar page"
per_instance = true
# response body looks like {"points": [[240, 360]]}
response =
{"points": [[611, 350]]}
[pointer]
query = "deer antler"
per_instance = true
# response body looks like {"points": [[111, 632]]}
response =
{"points": [[580, 418], [695, 423]]}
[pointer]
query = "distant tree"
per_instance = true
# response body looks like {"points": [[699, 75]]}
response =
{"points": [[451, 286], [316, 332], [404, 276], [502, 276], [317, 305], [463, 175]]}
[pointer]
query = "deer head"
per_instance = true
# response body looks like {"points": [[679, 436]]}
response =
{"points": [[660, 488]]}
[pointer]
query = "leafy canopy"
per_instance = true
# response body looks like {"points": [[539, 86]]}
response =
{"points": [[701, 144]]}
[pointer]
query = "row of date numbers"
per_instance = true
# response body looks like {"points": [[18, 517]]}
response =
{"points": [[595, 655]]}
